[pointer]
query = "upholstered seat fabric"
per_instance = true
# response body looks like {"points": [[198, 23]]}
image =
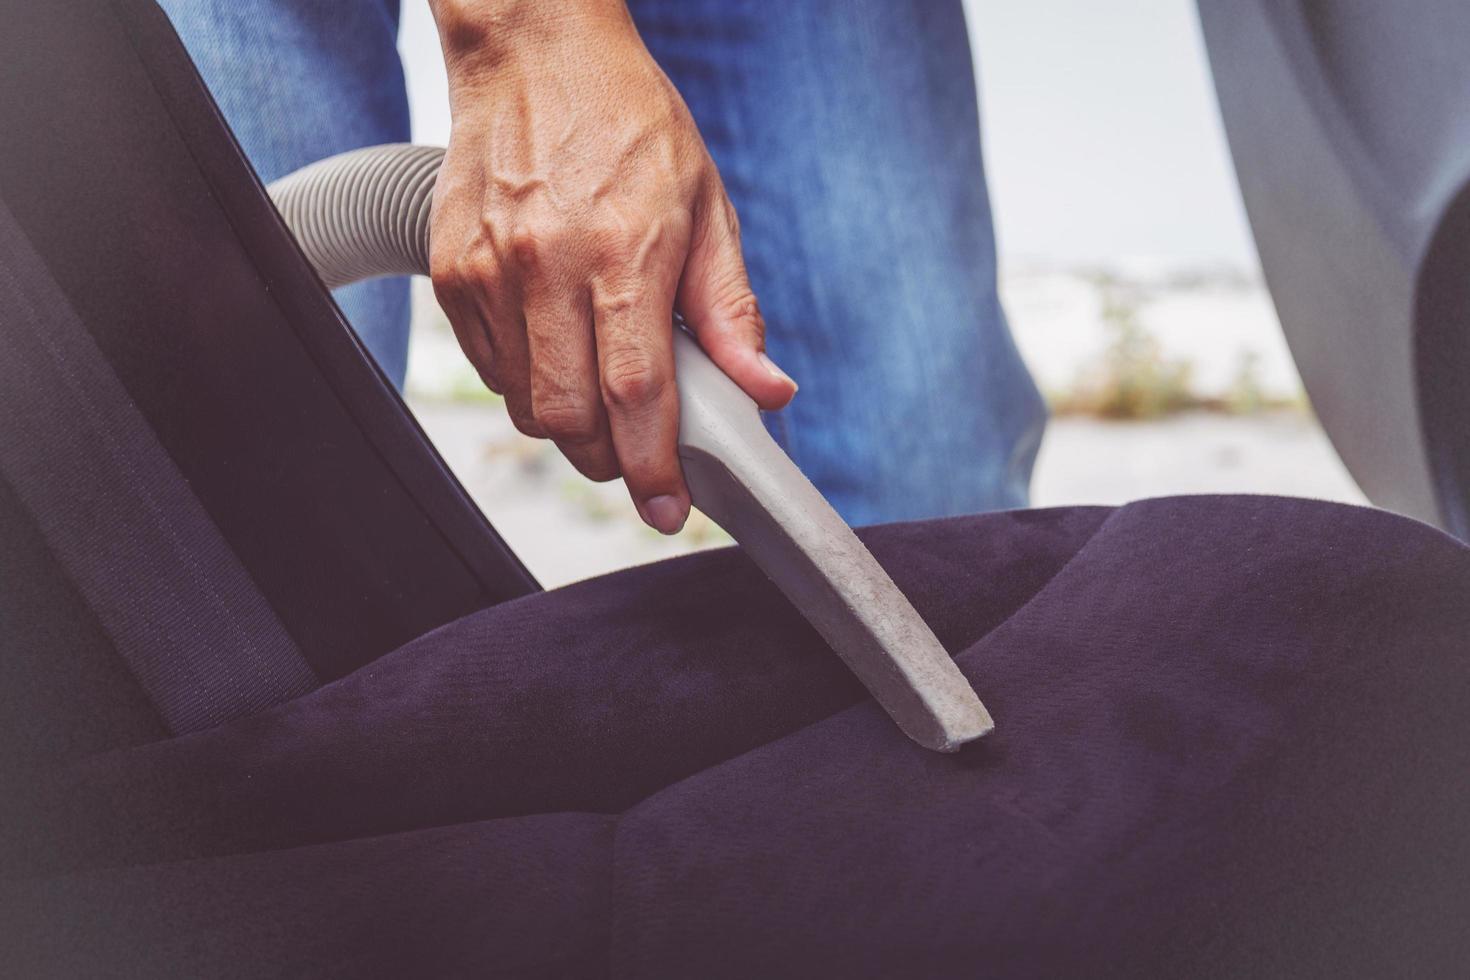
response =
{"points": [[1230, 741]]}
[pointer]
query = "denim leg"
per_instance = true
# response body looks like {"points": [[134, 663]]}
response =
{"points": [[299, 80], [848, 136]]}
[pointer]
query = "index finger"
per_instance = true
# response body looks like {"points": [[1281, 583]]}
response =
{"points": [[633, 322]]}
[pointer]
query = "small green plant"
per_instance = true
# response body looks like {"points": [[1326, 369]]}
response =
{"points": [[1133, 380]]}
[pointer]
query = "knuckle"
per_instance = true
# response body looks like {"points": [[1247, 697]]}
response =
{"points": [[447, 270], [463, 271], [613, 237], [518, 406], [631, 379], [613, 298], [621, 241], [531, 245], [569, 422], [482, 268]]}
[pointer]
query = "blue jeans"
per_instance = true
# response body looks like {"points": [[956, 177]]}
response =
{"points": [[848, 136]]}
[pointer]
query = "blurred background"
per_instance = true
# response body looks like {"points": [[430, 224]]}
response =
{"points": [[1126, 267]]}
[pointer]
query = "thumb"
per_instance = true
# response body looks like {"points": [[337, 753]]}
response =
{"points": [[717, 304]]}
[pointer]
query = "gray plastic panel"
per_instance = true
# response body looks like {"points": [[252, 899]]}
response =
{"points": [[1349, 122]]}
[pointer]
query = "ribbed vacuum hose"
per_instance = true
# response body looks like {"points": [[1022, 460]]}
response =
{"points": [[364, 213]]}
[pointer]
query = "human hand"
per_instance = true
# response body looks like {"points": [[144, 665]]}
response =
{"points": [[576, 211]]}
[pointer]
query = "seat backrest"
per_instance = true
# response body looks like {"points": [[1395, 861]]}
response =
{"points": [[1349, 122], [210, 499]]}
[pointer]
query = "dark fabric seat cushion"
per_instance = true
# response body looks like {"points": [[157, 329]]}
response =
{"points": [[1231, 740]]}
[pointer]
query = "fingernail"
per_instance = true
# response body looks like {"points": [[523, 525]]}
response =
{"points": [[665, 514], [775, 371]]}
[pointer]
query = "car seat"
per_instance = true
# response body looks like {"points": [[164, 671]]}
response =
{"points": [[277, 699]]}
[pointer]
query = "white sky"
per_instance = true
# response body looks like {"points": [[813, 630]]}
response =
{"points": [[1102, 136]]}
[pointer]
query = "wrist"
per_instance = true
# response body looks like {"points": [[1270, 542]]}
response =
{"points": [[484, 33]]}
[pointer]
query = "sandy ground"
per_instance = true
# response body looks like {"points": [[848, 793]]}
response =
{"points": [[566, 528]]}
